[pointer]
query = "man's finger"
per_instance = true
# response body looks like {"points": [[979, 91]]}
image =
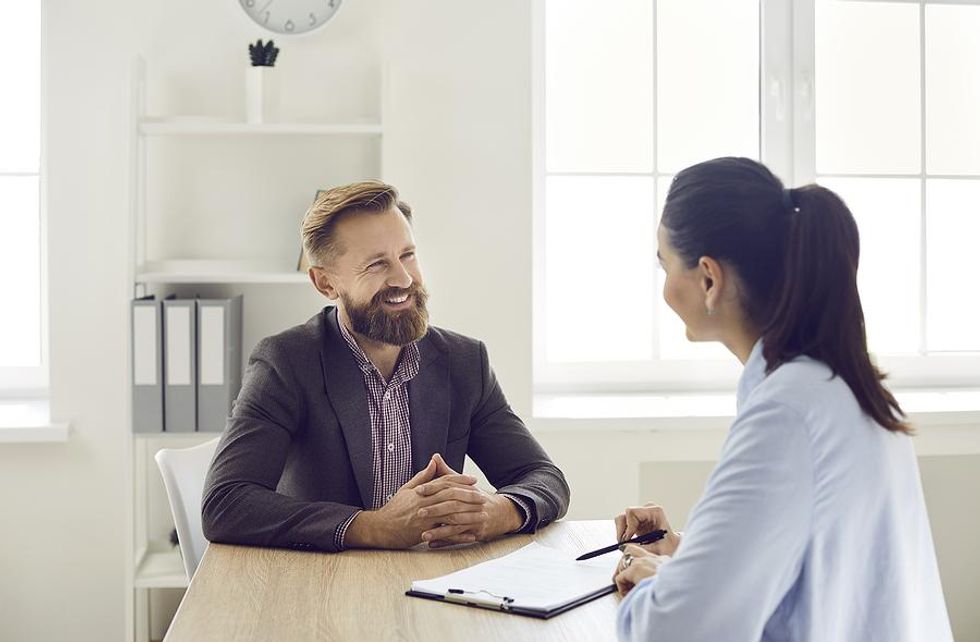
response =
{"points": [[433, 486], [465, 538], [446, 532], [426, 474], [454, 512], [463, 494], [442, 468]]}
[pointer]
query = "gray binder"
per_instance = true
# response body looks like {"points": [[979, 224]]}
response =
{"points": [[147, 366], [219, 360], [179, 371]]}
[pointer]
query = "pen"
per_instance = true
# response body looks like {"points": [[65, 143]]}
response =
{"points": [[649, 538]]}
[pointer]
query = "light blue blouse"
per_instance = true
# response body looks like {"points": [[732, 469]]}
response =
{"points": [[812, 527]]}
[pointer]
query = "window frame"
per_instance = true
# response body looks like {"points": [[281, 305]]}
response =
{"points": [[28, 382], [787, 134]]}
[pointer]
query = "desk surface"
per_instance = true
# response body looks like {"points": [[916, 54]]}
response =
{"points": [[241, 593]]}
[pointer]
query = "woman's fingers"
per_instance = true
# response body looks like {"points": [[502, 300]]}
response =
{"points": [[637, 570], [620, 527]]}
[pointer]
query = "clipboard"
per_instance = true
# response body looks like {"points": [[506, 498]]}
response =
{"points": [[534, 581], [506, 604]]}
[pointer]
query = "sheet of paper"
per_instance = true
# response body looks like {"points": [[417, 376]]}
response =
{"points": [[535, 576]]}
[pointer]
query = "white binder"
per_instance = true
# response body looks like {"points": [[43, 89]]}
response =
{"points": [[147, 365], [179, 370], [219, 360]]}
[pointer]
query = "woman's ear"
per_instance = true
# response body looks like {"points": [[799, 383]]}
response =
{"points": [[712, 281]]}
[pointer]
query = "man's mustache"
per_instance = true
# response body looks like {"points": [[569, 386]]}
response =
{"points": [[390, 293]]}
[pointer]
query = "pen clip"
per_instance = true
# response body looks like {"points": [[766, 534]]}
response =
{"points": [[479, 598]]}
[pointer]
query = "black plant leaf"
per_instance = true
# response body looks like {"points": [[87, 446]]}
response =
{"points": [[263, 55]]}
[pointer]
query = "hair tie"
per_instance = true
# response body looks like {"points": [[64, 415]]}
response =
{"points": [[788, 201]]}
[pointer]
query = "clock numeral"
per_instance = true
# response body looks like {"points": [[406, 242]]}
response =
{"points": [[290, 26], [312, 19], [266, 20], [249, 3]]}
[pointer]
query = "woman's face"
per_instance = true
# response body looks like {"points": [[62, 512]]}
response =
{"points": [[683, 291]]}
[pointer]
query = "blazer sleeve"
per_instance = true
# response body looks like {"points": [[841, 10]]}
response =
{"points": [[511, 458], [240, 504]]}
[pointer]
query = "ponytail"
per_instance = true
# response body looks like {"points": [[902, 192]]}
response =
{"points": [[818, 309], [796, 252]]}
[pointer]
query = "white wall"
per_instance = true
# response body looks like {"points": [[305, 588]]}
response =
{"points": [[458, 145]]}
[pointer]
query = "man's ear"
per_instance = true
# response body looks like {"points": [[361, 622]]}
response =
{"points": [[323, 281]]}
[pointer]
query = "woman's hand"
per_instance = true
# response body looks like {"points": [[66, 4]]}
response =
{"points": [[640, 520], [637, 565]]}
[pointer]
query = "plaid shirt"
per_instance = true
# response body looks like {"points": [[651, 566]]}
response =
{"points": [[391, 432]]}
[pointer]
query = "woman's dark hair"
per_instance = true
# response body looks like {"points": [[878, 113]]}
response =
{"points": [[796, 253]]}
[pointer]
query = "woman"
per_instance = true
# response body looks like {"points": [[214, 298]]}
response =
{"points": [[813, 525]]}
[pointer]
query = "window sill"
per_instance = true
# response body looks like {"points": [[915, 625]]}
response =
{"points": [[925, 407], [29, 421]]}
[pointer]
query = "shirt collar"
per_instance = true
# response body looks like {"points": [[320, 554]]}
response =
{"points": [[409, 361], [752, 374]]}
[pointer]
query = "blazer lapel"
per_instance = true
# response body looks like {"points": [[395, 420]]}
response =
{"points": [[429, 404], [344, 383]]}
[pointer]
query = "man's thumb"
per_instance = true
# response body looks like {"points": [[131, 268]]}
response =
{"points": [[426, 474], [442, 468]]}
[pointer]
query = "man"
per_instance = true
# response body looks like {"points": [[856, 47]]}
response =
{"points": [[349, 429]]}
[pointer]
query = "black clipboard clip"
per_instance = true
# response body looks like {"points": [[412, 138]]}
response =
{"points": [[483, 598]]}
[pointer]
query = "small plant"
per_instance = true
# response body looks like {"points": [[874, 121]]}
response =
{"points": [[263, 55]]}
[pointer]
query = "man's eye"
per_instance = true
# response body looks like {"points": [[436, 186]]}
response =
{"points": [[408, 255], [376, 265]]}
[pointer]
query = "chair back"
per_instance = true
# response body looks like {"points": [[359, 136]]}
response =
{"points": [[184, 470]]}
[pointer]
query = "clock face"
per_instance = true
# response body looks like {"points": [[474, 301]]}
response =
{"points": [[290, 16]]}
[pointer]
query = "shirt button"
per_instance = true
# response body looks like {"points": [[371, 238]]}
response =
{"points": [[391, 447], [388, 498]]}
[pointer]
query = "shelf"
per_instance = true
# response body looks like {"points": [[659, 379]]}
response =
{"points": [[213, 127], [160, 566], [191, 271]]}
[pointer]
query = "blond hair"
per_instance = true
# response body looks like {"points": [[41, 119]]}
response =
{"points": [[333, 204]]}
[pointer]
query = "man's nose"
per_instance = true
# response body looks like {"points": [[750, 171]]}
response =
{"points": [[399, 277]]}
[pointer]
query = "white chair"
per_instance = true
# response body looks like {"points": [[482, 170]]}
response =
{"points": [[183, 471]]}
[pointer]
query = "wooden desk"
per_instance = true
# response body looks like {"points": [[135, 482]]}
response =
{"points": [[241, 593]]}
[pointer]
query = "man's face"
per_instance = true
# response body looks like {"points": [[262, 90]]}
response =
{"points": [[377, 277]]}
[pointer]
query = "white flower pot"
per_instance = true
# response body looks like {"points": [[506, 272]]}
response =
{"points": [[256, 84]]}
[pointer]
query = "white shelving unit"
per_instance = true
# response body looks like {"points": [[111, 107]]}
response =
{"points": [[191, 126], [152, 562], [221, 272]]}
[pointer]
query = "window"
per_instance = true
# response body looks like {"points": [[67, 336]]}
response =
{"points": [[22, 358], [876, 100]]}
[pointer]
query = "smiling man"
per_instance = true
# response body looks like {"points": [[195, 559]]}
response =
{"points": [[349, 429]]}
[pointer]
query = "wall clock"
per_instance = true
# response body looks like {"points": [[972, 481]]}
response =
{"points": [[290, 17]]}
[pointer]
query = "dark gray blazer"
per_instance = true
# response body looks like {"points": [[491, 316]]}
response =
{"points": [[295, 459]]}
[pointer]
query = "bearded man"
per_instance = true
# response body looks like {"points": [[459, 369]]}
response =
{"points": [[349, 429]]}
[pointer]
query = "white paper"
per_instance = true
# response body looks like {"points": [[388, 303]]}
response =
{"points": [[535, 577], [212, 356], [145, 345], [178, 346]]}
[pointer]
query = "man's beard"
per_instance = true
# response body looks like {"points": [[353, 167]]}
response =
{"points": [[399, 328]]}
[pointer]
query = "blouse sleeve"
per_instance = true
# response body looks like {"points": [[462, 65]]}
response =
{"points": [[744, 543]]}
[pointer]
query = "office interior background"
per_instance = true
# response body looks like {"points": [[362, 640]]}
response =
{"points": [[535, 140]]}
